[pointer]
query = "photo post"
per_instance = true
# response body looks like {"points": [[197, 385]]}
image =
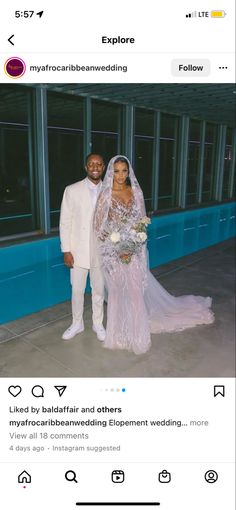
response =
{"points": [[117, 232]]}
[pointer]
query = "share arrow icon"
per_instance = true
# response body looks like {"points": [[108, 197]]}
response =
{"points": [[60, 389]]}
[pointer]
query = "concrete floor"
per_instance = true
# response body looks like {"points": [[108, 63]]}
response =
{"points": [[32, 346]]}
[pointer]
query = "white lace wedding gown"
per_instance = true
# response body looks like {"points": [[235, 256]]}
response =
{"points": [[137, 304]]}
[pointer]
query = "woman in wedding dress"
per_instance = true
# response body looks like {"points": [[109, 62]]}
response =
{"points": [[137, 304]]}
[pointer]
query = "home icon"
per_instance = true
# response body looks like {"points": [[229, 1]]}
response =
{"points": [[24, 477]]}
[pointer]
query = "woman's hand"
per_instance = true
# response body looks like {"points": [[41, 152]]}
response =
{"points": [[68, 259]]}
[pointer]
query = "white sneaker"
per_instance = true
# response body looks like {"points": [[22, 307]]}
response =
{"points": [[100, 332], [73, 330]]}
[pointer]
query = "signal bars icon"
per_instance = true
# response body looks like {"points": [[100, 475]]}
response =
{"points": [[191, 14]]}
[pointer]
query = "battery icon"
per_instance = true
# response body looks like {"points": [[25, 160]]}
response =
{"points": [[218, 14]]}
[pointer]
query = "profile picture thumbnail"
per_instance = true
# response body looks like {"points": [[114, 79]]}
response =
{"points": [[15, 67]]}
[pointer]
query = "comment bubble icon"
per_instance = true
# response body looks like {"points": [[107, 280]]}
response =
{"points": [[37, 391]]}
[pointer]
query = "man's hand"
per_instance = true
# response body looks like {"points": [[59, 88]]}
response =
{"points": [[68, 259]]}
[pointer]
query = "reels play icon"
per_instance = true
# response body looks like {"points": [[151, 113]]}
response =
{"points": [[117, 476]]}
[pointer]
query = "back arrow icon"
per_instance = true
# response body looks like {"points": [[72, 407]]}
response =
{"points": [[10, 41]]}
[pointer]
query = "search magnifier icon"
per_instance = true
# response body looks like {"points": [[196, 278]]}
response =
{"points": [[70, 476]]}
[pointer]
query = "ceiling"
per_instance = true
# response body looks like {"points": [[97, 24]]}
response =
{"points": [[213, 102]]}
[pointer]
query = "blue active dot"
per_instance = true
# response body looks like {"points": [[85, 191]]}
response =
{"points": [[123, 389]]}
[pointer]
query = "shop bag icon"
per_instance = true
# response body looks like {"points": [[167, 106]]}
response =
{"points": [[164, 476]]}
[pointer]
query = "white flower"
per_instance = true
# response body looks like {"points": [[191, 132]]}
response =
{"points": [[142, 236], [132, 233], [145, 220], [115, 237]]}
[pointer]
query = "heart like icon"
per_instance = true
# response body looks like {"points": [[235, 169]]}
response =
{"points": [[15, 390]]}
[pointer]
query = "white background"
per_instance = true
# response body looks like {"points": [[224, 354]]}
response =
{"points": [[186, 452], [70, 33]]}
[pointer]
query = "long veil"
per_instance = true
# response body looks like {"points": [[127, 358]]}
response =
{"points": [[166, 313], [104, 200]]}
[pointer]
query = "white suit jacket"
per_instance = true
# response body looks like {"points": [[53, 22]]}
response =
{"points": [[76, 232]]}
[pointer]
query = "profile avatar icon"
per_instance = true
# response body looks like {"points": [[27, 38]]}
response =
{"points": [[14, 67], [211, 476]]}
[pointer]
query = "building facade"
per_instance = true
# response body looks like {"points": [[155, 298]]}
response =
{"points": [[183, 152]]}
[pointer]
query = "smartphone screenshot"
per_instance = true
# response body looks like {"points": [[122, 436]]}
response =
{"points": [[117, 255]]}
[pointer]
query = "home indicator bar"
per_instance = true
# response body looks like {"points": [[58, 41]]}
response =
{"points": [[129, 503]]}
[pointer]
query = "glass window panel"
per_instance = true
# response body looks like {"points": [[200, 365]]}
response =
{"points": [[144, 122], [143, 152], [227, 163], [105, 128], [143, 167], [65, 110], [193, 162], [105, 144], [167, 162], [65, 147], [209, 162], [17, 213], [105, 116], [13, 104]]}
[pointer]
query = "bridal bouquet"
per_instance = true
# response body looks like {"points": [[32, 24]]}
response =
{"points": [[127, 238]]}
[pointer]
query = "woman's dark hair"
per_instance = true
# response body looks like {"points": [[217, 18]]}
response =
{"points": [[122, 159]]}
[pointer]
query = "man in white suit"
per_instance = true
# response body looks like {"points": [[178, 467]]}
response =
{"points": [[78, 244]]}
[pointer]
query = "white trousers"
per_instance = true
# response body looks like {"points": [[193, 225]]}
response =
{"points": [[78, 278]]}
